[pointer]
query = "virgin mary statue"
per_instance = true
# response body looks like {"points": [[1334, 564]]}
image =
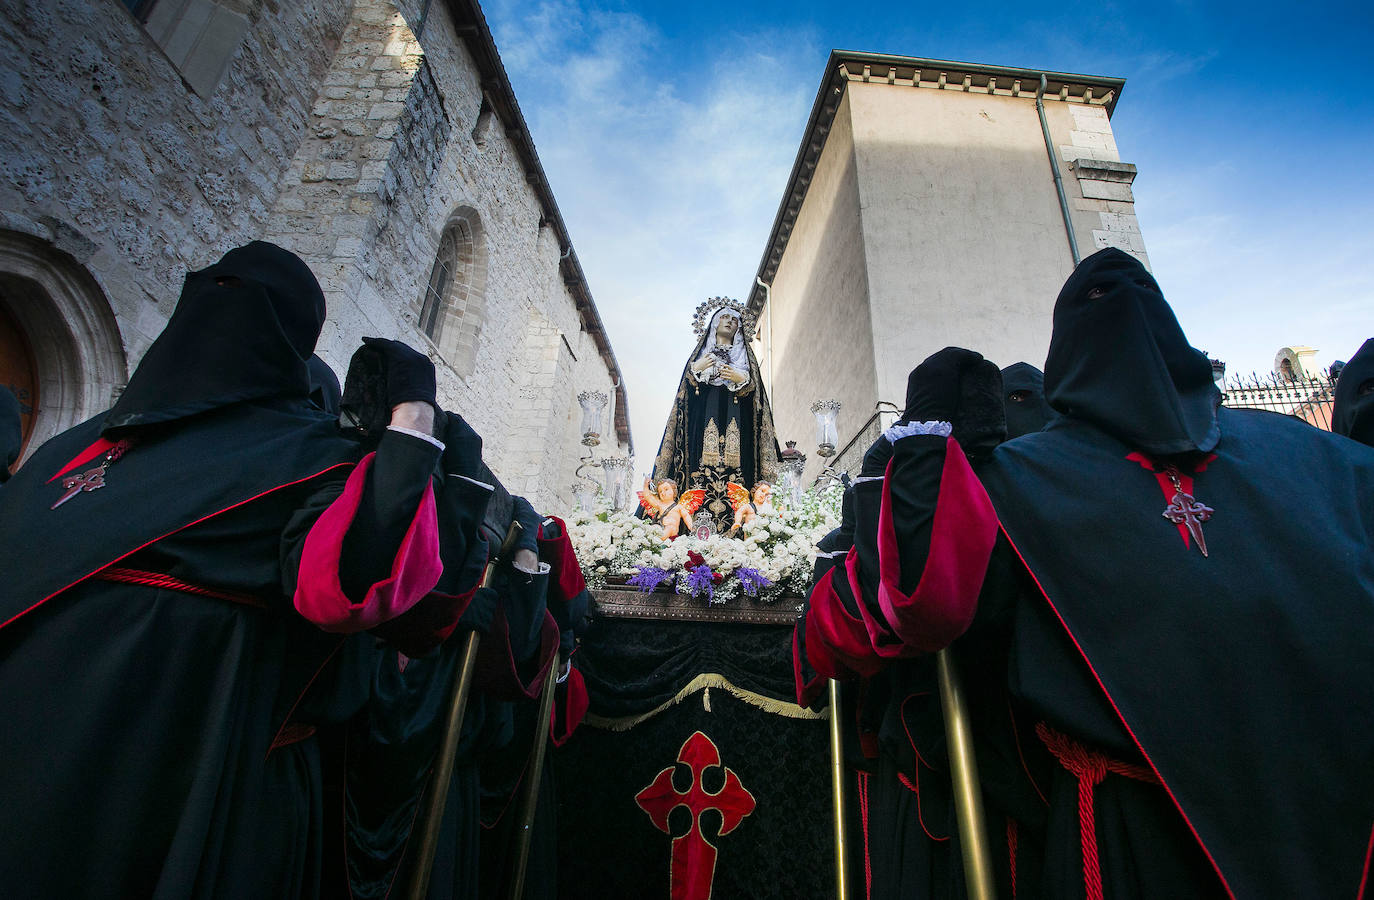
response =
{"points": [[720, 429]]}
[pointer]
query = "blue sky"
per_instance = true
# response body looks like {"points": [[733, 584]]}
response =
{"points": [[668, 131]]}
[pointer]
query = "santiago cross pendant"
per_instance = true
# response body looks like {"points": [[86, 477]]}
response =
{"points": [[1187, 510], [91, 479]]}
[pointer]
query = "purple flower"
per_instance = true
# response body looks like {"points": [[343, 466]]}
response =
{"points": [[700, 579], [752, 580], [649, 577]]}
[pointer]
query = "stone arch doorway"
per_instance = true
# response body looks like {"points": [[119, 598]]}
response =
{"points": [[59, 340]]}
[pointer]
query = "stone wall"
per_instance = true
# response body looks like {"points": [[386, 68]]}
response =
{"points": [[335, 131]]}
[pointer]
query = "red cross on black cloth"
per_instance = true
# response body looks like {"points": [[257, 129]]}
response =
{"points": [[1184, 510], [693, 857]]}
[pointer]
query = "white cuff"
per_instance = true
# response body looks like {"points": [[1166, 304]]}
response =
{"points": [[481, 484], [419, 434], [864, 478], [899, 431], [544, 568]]}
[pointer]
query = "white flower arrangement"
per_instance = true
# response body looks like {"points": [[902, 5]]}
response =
{"points": [[779, 544]]}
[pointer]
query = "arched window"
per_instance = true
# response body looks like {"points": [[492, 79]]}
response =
{"points": [[453, 309], [60, 346]]}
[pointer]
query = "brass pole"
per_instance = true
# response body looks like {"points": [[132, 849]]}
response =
{"points": [[432, 815], [837, 778], [529, 801], [963, 770]]}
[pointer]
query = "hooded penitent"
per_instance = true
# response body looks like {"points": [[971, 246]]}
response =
{"points": [[242, 330], [1119, 360], [1023, 390], [1353, 412], [325, 392], [216, 413]]}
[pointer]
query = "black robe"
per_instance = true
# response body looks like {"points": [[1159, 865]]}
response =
{"points": [[11, 432], [1225, 695], [164, 639], [1352, 409]]}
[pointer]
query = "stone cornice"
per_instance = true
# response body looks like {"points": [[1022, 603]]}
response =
{"points": [[911, 73], [471, 27]]}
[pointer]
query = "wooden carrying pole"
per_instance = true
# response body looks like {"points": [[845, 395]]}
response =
{"points": [[837, 779], [432, 816], [963, 770], [529, 799]]}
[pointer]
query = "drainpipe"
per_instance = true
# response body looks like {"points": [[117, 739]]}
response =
{"points": [[1054, 168], [768, 305]]}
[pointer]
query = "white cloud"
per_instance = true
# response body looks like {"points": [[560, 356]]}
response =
{"points": [[668, 177]]}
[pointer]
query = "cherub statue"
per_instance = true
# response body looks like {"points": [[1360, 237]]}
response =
{"points": [[747, 508], [665, 507]]}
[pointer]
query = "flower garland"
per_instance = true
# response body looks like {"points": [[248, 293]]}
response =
{"points": [[773, 560]]}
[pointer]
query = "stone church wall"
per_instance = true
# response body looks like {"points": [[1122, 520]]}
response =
{"points": [[335, 131]]}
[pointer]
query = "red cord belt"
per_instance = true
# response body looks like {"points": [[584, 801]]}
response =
{"points": [[1090, 767], [168, 582]]}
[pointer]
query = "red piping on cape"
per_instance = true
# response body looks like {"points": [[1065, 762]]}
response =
{"points": [[1121, 718], [160, 537], [920, 761], [1368, 854], [415, 570], [962, 536], [285, 722], [1016, 738]]}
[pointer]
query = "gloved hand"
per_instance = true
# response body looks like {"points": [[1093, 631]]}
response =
{"points": [[960, 387], [481, 610], [462, 448], [409, 373]]}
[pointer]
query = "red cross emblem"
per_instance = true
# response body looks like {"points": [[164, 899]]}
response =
{"points": [[694, 857]]}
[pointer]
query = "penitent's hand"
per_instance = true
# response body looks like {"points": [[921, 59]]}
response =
{"points": [[415, 415]]}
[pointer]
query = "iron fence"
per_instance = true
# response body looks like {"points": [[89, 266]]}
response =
{"points": [[1308, 398]]}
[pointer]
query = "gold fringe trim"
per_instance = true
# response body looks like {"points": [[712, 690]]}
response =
{"points": [[708, 680]]}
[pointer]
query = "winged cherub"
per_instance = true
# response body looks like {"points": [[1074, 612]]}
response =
{"points": [[665, 507], [745, 507]]}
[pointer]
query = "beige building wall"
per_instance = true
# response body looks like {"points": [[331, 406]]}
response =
{"points": [[960, 240], [818, 321]]}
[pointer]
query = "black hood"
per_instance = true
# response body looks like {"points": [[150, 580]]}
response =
{"points": [[1353, 412], [242, 330], [1027, 411], [11, 431], [1119, 360], [324, 385]]}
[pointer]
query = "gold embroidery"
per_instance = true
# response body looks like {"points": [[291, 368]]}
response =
{"points": [[731, 444], [710, 445]]}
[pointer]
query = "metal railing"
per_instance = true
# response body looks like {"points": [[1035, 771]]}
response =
{"points": [[1308, 398]]}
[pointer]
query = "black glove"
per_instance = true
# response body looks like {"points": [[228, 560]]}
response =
{"points": [[462, 448], [409, 373], [960, 387], [481, 610]]}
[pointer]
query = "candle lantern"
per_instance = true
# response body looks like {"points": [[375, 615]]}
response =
{"points": [[827, 434], [790, 470], [613, 471], [593, 405]]}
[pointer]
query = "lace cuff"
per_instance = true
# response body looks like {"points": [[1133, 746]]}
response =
{"points": [[907, 429]]}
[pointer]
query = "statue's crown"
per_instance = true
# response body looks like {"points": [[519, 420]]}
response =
{"points": [[707, 308]]}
